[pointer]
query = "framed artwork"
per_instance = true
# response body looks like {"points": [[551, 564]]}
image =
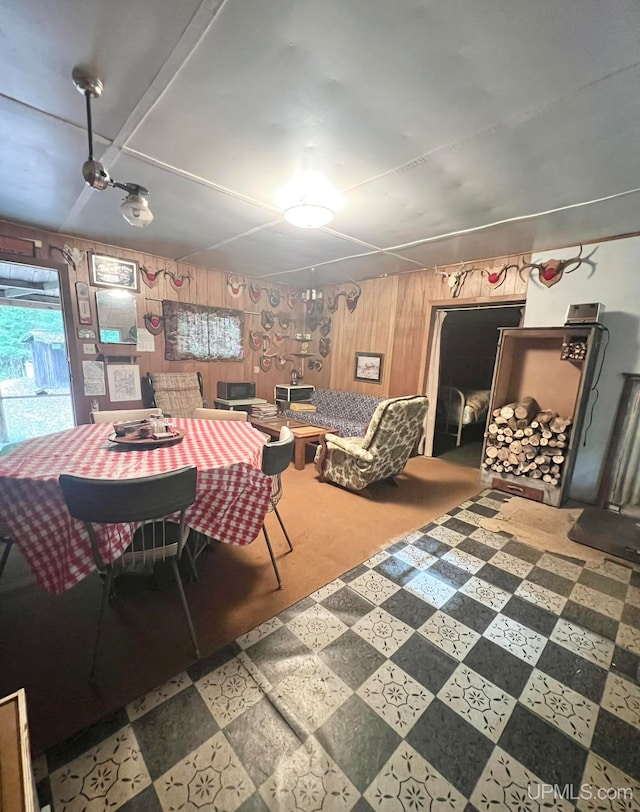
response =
{"points": [[369, 367], [201, 333], [111, 272]]}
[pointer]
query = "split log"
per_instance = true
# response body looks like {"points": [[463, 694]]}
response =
{"points": [[536, 474], [501, 421], [515, 447], [522, 424], [528, 431], [518, 434], [513, 423], [526, 409], [559, 424], [503, 454], [534, 440], [546, 416], [558, 459], [508, 410], [491, 451], [493, 428], [540, 460]]}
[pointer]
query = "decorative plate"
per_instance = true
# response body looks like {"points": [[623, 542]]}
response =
{"points": [[147, 442]]}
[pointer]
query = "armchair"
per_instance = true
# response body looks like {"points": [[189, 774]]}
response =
{"points": [[393, 433], [177, 394]]}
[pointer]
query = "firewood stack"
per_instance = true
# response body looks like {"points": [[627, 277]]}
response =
{"points": [[525, 440]]}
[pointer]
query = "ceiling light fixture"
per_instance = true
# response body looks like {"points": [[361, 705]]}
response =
{"points": [[135, 207], [308, 200]]}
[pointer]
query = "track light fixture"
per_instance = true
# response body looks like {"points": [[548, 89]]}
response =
{"points": [[135, 207]]}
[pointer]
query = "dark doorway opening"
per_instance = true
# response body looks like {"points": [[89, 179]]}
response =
{"points": [[469, 345]]}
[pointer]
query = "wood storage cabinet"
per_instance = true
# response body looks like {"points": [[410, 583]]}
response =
{"points": [[555, 367]]}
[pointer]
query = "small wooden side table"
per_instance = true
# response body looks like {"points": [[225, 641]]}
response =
{"points": [[308, 434]]}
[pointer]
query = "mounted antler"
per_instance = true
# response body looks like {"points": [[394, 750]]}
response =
{"points": [[551, 271], [496, 276], [351, 297], [235, 284], [455, 279], [177, 281]]}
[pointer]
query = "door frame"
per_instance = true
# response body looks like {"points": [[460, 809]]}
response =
{"points": [[66, 303], [472, 303]]}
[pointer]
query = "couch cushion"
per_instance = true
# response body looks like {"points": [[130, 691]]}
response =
{"points": [[350, 405]]}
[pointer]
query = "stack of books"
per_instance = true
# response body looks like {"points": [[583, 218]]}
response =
{"points": [[264, 411]]}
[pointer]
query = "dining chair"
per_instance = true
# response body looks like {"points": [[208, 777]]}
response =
{"points": [[276, 457], [151, 501], [5, 532], [120, 415], [220, 414]]}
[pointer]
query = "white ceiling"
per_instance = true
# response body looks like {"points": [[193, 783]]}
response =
{"points": [[454, 130]]}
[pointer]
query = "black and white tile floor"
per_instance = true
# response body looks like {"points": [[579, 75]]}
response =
{"points": [[458, 669]]}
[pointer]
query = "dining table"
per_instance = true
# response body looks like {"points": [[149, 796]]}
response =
{"points": [[231, 501]]}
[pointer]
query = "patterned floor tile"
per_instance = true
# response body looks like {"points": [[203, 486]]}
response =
{"points": [[311, 694], [261, 738], [449, 634], [631, 615], [484, 592], [39, 767], [465, 561], [260, 632], [326, 590], [587, 644], [396, 569], [317, 627], [478, 701], [598, 601], [456, 749], [538, 595], [603, 583], [524, 551], [408, 608], [429, 665], [416, 557], [494, 540], [493, 504], [448, 573], [376, 559], [540, 620], [471, 517], [559, 566], [622, 698], [569, 668], [519, 640], [606, 787], [445, 535], [582, 615], [629, 637], [156, 697], [475, 615], [507, 784], [408, 782], [430, 589], [229, 691], [626, 664], [279, 654], [374, 587], [611, 569], [352, 658], [210, 777], [499, 666], [383, 631], [343, 734], [512, 564], [105, 777], [309, 779], [543, 749], [395, 696], [633, 596], [568, 710], [347, 605], [617, 742], [501, 578], [549, 580]]}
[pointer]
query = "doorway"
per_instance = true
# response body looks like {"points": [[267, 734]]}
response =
{"points": [[35, 385], [468, 349]]}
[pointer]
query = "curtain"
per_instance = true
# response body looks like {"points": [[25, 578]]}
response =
{"points": [[626, 481], [433, 379]]}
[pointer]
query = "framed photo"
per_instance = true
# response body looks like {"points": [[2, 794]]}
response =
{"points": [[111, 272], [369, 367]]}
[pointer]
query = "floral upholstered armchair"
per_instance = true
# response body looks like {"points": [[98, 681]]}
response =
{"points": [[393, 433]]}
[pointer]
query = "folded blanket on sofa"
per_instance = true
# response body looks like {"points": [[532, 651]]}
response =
{"points": [[302, 407]]}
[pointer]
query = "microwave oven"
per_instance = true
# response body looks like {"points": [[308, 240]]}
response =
{"points": [[236, 390], [293, 394]]}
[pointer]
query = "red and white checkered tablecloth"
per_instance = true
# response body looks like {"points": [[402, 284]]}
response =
{"points": [[232, 492]]}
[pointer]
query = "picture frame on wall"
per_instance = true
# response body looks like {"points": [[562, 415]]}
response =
{"points": [[113, 272], [369, 367]]}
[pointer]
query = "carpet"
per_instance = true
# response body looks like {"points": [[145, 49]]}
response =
{"points": [[457, 669]]}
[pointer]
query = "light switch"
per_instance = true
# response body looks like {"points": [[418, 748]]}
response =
{"points": [[256, 370]]}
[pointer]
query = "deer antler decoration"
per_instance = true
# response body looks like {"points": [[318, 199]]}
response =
{"points": [[235, 284], [455, 279], [551, 271], [496, 276], [352, 295]]}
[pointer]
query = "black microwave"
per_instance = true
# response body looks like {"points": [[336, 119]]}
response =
{"points": [[236, 390]]}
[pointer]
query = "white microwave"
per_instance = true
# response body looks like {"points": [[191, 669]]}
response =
{"points": [[293, 394]]}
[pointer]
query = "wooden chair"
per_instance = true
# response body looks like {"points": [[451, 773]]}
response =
{"points": [[150, 500], [276, 457], [220, 414], [120, 415]]}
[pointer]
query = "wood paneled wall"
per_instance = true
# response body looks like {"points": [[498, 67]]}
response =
{"points": [[392, 317], [205, 287]]}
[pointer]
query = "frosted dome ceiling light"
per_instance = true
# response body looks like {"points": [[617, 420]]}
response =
{"points": [[308, 200]]}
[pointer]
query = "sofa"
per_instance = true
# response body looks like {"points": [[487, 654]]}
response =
{"points": [[349, 413]]}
